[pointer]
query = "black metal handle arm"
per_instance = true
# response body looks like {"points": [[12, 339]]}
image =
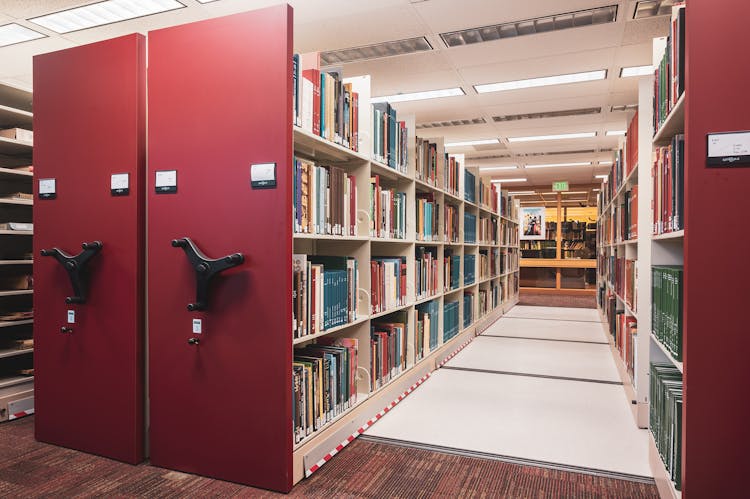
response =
{"points": [[205, 269], [76, 267]]}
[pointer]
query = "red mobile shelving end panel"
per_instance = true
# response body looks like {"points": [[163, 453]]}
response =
{"points": [[219, 102], [715, 427], [90, 123]]}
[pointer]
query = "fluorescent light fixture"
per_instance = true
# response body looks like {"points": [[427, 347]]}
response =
{"points": [[101, 13], [522, 193], [504, 180], [605, 163], [636, 71], [567, 193], [15, 33], [481, 142], [615, 133], [595, 190], [555, 165], [542, 82], [496, 168], [601, 176], [429, 94], [561, 136]]}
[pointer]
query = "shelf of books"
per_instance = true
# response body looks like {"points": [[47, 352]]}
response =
{"points": [[16, 228], [401, 253], [617, 259]]}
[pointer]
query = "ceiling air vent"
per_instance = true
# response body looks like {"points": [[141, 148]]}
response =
{"points": [[375, 51], [441, 124], [588, 17], [551, 114], [652, 8]]}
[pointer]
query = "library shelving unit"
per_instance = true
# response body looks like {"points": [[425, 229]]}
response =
{"points": [[618, 262], [16, 318], [692, 341], [498, 285]]}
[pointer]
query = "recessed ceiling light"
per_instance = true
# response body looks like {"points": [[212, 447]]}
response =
{"points": [[15, 33], [562, 136], [636, 71], [504, 180], [613, 133], [429, 94], [605, 163], [495, 168], [522, 193], [481, 142], [555, 165], [101, 13], [542, 82]]}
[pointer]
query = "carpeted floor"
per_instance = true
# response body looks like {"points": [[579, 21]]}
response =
{"points": [[555, 300], [364, 469]]}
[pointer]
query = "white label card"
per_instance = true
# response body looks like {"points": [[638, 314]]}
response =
{"points": [[729, 144], [166, 178], [198, 326], [120, 181], [71, 316], [263, 172], [47, 186]]}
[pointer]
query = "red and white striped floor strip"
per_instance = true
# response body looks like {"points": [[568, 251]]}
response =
{"points": [[21, 414], [379, 415], [364, 427], [463, 345]]}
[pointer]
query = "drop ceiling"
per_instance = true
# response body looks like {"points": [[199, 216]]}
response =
{"points": [[329, 25]]}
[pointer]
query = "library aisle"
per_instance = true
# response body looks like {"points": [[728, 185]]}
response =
{"points": [[538, 387]]}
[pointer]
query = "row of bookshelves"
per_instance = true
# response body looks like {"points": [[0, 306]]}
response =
{"points": [[16, 229], [360, 318]]}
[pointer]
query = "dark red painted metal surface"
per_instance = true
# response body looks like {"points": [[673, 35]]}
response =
{"points": [[89, 123], [219, 101], [717, 328]]}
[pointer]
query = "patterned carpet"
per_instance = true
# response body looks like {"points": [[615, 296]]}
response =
{"points": [[363, 470], [555, 300]]}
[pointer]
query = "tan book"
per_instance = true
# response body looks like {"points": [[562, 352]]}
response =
{"points": [[23, 344], [18, 134], [16, 226]]}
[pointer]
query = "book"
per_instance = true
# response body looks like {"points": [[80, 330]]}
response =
{"points": [[324, 293], [323, 383], [387, 211], [451, 270], [425, 272], [469, 269], [470, 187], [450, 320], [427, 217], [470, 228], [388, 281], [388, 350], [324, 200], [390, 137], [665, 416], [17, 226], [666, 314], [19, 134], [468, 308], [451, 226], [425, 158], [427, 320]]}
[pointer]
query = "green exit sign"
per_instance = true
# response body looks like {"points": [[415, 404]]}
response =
{"points": [[559, 186]]}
